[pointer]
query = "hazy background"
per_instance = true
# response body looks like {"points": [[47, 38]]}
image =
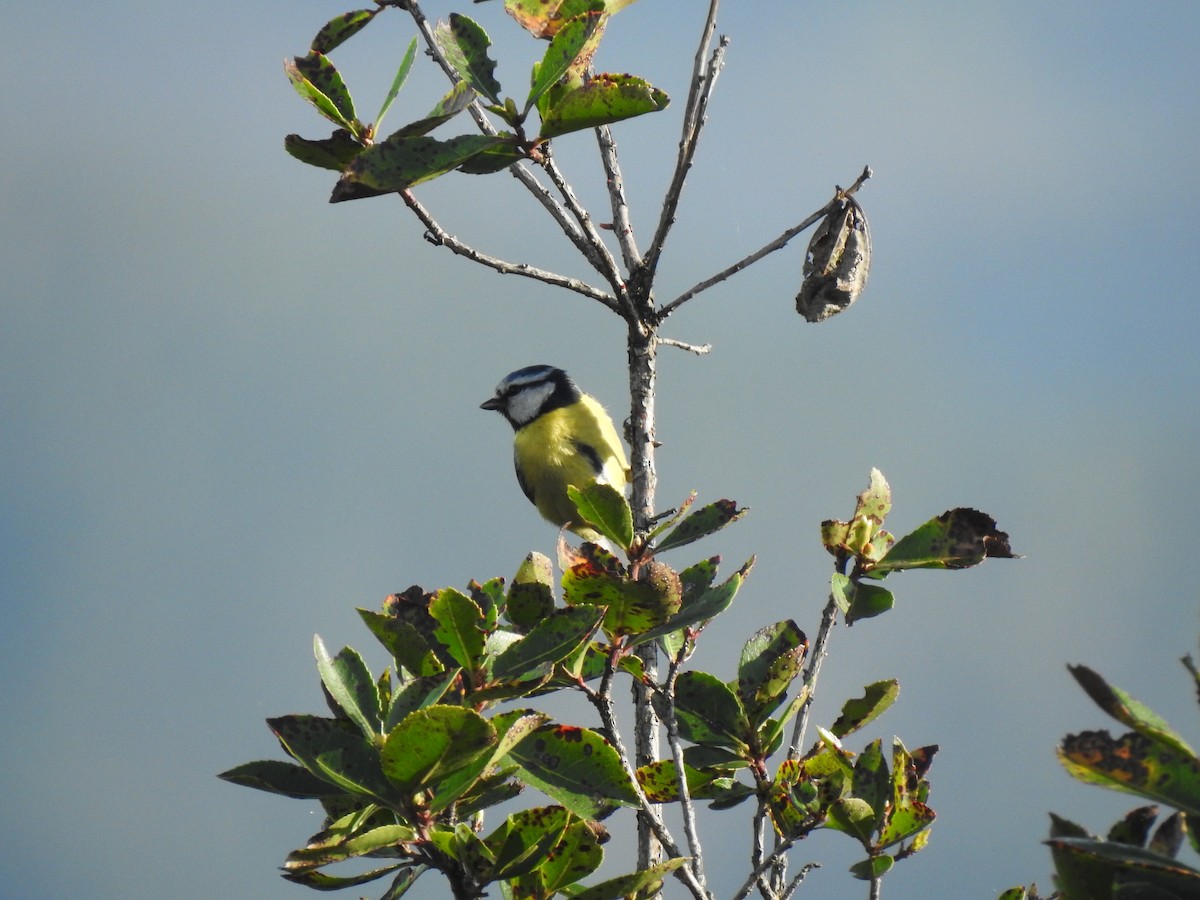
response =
{"points": [[230, 413]]}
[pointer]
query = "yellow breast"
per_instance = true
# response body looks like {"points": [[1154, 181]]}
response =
{"points": [[575, 444]]}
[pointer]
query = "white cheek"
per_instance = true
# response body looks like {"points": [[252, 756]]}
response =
{"points": [[524, 406]]}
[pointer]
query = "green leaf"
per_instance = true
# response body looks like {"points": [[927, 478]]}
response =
{"points": [[701, 609], [576, 856], [511, 728], [1135, 827], [405, 640], [957, 539], [872, 867], [341, 28], [351, 686], [318, 81], [862, 711], [368, 842], [400, 162], [564, 48], [603, 100], [495, 159], [531, 596], [1126, 710], [278, 777], [460, 627], [1107, 865], [465, 44], [770, 661], [853, 816], [698, 578], [418, 693], [907, 815], [433, 743], [576, 767], [333, 752], [872, 781], [645, 883], [523, 841], [660, 781], [334, 152], [858, 537], [550, 641], [322, 882], [595, 578], [1137, 763], [701, 523], [397, 82], [867, 601], [607, 510], [456, 100], [709, 712], [543, 18], [672, 516]]}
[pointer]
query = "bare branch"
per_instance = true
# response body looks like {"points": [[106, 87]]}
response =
{"points": [[436, 235], [811, 672], [621, 224], [777, 244], [698, 349], [698, 63], [761, 869], [687, 808], [704, 80], [799, 879], [593, 245], [602, 701]]}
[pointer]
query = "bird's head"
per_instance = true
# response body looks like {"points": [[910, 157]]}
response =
{"points": [[527, 393]]}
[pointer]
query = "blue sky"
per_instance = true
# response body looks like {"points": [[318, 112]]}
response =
{"points": [[232, 413]]}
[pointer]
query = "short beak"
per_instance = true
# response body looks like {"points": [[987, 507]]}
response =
{"points": [[490, 403]]}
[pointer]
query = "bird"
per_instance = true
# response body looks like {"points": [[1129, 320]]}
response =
{"points": [[562, 437]]}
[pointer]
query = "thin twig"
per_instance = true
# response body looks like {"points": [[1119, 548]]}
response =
{"points": [[777, 244], [564, 220], [759, 845], [687, 808], [761, 869], [799, 879], [436, 235], [621, 224], [811, 673], [599, 255], [704, 81], [698, 349], [602, 700]]}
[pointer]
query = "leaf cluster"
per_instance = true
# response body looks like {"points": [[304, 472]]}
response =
{"points": [[1135, 858], [957, 539], [563, 92]]}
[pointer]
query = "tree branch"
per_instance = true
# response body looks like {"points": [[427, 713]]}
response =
{"points": [[687, 808], [436, 235], [777, 244], [811, 672], [602, 701], [597, 251], [592, 250], [704, 80], [621, 224]]}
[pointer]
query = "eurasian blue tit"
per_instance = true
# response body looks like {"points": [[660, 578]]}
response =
{"points": [[563, 437]]}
